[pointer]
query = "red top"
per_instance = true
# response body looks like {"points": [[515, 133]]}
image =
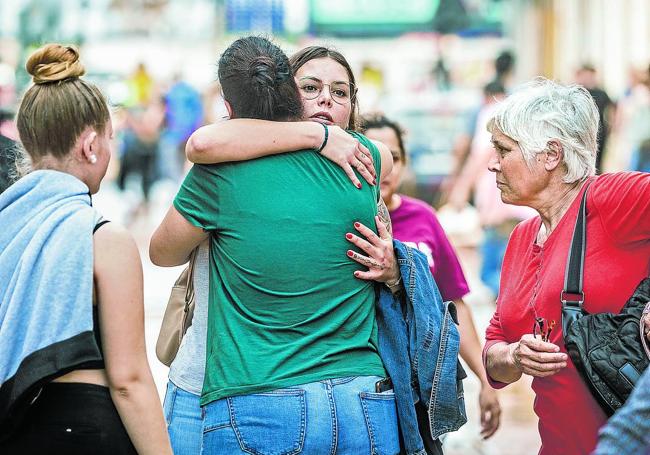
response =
{"points": [[617, 259]]}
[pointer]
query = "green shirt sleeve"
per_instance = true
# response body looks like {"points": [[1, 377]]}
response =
{"points": [[197, 199]]}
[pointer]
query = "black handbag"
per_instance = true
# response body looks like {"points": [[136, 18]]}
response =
{"points": [[606, 348]]}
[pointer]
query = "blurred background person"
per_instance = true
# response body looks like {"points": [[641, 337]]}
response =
{"points": [[504, 65], [497, 219], [141, 86], [633, 124], [183, 115], [588, 78], [504, 69], [140, 139]]}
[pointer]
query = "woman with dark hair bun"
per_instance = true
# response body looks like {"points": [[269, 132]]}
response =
{"points": [[257, 76], [74, 376], [329, 98], [292, 362]]}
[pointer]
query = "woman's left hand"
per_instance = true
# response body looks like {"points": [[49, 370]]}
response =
{"points": [[381, 261], [490, 411]]}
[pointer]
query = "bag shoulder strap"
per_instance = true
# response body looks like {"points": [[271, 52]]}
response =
{"points": [[572, 296], [573, 274], [189, 293]]}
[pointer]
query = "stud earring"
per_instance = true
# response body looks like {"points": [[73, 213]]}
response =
{"points": [[92, 159]]}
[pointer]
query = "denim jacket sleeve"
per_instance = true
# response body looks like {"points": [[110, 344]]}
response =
{"points": [[419, 343]]}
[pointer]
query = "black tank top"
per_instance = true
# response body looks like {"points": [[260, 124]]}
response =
{"points": [[98, 338]]}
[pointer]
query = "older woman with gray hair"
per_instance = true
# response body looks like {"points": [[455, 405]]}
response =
{"points": [[545, 138]]}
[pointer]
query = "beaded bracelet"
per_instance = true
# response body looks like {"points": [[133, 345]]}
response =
{"points": [[327, 133]]}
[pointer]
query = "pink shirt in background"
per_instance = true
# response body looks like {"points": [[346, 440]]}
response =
{"points": [[415, 224]]}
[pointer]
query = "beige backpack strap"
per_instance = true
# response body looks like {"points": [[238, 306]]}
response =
{"points": [[189, 293]]}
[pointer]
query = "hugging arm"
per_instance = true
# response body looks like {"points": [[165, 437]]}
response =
{"points": [[247, 139], [174, 240]]}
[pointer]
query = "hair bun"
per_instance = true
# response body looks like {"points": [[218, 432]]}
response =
{"points": [[53, 63], [262, 70]]}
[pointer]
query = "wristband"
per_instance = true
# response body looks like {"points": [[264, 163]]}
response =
{"points": [[327, 133]]}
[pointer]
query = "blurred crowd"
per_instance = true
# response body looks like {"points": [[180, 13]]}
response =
{"points": [[156, 117]]}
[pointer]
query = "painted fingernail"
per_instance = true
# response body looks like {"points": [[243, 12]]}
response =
{"points": [[356, 274], [356, 225], [350, 253], [359, 185], [348, 236]]}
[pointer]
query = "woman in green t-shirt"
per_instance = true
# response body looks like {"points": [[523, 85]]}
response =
{"points": [[291, 346]]}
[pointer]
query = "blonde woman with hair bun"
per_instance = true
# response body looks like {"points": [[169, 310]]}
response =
{"points": [[74, 376]]}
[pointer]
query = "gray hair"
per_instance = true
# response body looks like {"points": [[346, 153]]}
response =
{"points": [[15, 164], [543, 110], [23, 163]]}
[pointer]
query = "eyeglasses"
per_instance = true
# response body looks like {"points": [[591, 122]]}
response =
{"points": [[543, 328], [341, 92]]}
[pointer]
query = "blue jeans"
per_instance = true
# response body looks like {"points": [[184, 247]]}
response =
{"points": [[342, 416], [493, 248], [184, 418]]}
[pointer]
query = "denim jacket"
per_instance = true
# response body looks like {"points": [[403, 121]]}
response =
{"points": [[418, 343]]}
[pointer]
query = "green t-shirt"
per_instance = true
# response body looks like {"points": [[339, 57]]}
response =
{"points": [[284, 307]]}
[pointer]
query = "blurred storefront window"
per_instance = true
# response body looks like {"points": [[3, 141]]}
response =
{"points": [[245, 16]]}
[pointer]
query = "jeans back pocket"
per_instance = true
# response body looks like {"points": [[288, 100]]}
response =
{"points": [[380, 412], [271, 423]]}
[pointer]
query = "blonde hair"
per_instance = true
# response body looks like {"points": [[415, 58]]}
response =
{"points": [[59, 106]]}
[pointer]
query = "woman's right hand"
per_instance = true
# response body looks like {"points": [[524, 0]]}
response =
{"points": [[347, 152], [381, 260], [537, 358]]}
